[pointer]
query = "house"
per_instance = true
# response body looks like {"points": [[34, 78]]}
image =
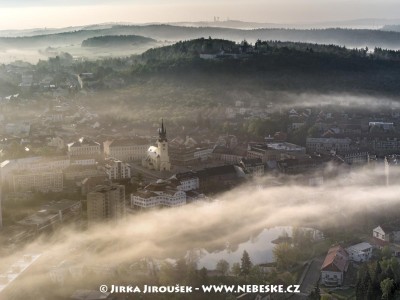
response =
{"points": [[384, 234], [335, 266], [360, 252]]}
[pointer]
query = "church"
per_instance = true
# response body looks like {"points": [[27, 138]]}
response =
{"points": [[157, 158]]}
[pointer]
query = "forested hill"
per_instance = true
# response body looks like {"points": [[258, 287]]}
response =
{"points": [[116, 41], [278, 65]]}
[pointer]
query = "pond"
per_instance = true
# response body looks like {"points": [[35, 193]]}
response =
{"points": [[259, 248]]}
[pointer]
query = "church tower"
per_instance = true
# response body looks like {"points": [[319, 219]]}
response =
{"points": [[162, 145]]}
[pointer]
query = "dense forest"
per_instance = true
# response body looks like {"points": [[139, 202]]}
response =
{"points": [[278, 66]]}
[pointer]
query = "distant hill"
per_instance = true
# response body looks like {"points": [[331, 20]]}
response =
{"points": [[169, 33], [391, 28], [116, 41]]}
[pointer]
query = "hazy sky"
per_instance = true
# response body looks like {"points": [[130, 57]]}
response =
{"points": [[17, 14]]}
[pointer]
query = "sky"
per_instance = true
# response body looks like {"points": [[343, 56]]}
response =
{"points": [[22, 14]]}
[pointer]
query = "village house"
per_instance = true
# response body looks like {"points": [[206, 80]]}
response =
{"points": [[335, 266]]}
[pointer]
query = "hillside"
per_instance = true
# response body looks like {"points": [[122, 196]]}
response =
{"points": [[278, 66], [116, 41]]}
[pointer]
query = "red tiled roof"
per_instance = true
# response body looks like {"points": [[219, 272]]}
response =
{"points": [[337, 260]]}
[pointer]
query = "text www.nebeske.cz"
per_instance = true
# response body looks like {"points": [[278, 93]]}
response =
{"points": [[248, 288]]}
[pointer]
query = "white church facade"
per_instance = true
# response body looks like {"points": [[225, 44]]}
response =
{"points": [[157, 157]]}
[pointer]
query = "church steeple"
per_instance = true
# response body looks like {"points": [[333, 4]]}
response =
{"points": [[162, 132]]}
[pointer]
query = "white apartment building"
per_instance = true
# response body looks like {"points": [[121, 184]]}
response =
{"points": [[187, 181], [117, 169], [149, 199]]}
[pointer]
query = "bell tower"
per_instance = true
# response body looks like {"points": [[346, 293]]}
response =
{"points": [[162, 145]]}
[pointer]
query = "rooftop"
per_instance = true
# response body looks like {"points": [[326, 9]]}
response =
{"points": [[360, 247]]}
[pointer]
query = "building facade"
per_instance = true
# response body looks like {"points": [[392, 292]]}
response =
{"points": [[106, 203], [127, 150], [45, 181], [335, 266], [116, 169], [83, 147]]}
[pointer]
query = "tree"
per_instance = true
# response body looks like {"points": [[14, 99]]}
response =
{"points": [[236, 269], [139, 177], [222, 266], [257, 276], [387, 286], [284, 255], [386, 252], [246, 264]]}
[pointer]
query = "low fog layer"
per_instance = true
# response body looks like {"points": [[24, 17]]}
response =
{"points": [[350, 200]]}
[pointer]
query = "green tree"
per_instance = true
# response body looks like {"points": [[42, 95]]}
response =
{"points": [[222, 266], [246, 263], [284, 255], [386, 252], [387, 287], [236, 269], [257, 275]]}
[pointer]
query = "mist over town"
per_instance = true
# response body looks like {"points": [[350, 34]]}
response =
{"points": [[187, 150]]}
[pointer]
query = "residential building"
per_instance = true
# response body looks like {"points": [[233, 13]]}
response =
{"points": [[328, 144], [134, 149], [334, 266], [84, 147], [106, 203], [43, 181], [116, 169], [354, 157], [80, 172], [386, 234], [161, 193], [219, 178], [274, 151], [187, 181], [89, 183], [385, 146], [361, 252], [253, 166], [383, 126]]}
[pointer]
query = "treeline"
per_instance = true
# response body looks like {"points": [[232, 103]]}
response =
{"points": [[116, 40], [187, 49], [278, 66]]}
